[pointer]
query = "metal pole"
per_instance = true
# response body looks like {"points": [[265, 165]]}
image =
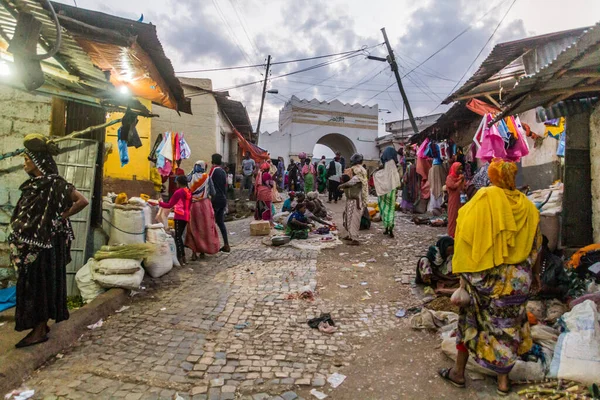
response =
{"points": [[394, 66], [264, 92]]}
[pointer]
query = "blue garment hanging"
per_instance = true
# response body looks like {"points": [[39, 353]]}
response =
{"points": [[123, 152]]}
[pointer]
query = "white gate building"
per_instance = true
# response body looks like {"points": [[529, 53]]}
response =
{"points": [[347, 128]]}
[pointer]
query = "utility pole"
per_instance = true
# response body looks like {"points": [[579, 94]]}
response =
{"points": [[394, 66], [264, 92]]}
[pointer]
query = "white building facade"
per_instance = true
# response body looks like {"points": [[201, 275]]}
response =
{"points": [[347, 128]]}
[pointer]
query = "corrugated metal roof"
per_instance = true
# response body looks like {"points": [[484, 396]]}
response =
{"points": [[574, 73], [503, 54], [446, 124], [71, 72], [145, 35]]}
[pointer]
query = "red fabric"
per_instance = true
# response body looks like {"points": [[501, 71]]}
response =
{"points": [[454, 186], [256, 153], [454, 169], [181, 201], [461, 347], [202, 236], [481, 107]]}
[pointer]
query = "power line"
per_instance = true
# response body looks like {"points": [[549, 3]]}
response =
{"points": [[276, 63], [231, 33], [468, 28], [483, 48], [243, 25], [278, 76]]}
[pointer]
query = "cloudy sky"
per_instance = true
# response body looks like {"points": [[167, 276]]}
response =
{"points": [[203, 34]]}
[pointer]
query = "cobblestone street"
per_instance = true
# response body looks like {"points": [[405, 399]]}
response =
{"points": [[223, 328]]}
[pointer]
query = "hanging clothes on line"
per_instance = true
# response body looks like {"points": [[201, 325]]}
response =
{"points": [[184, 150], [505, 139]]}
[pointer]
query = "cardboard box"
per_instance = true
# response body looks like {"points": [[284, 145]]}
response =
{"points": [[260, 228]]}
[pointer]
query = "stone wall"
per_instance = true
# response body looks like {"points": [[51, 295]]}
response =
{"points": [[595, 171], [20, 114]]}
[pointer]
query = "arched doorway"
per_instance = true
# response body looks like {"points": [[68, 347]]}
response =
{"points": [[336, 142]]}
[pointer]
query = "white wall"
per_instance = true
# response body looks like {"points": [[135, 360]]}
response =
{"points": [[544, 154], [303, 123]]}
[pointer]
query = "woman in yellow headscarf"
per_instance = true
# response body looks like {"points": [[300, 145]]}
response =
{"points": [[495, 252]]}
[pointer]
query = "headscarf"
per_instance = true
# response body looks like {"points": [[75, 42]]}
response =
{"points": [[356, 159], [361, 174], [502, 174], [497, 226], [37, 216], [388, 154], [199, 182], [454, 169], [265, 167], [437, 254]]}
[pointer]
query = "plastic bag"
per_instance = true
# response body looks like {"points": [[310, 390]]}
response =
{"points": [[131, 281], [128, 225], [577, 352], [461, 297], [162, 217], [173, 249], [161, 262], [88, 288]]}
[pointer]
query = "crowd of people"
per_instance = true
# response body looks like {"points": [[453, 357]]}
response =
{"points": [[494, 249]]}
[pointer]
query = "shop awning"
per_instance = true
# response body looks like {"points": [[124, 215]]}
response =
{"points": [[573, 74], [99, 53]]}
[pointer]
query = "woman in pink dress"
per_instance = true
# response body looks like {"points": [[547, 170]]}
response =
{"points": [[201, 236]]}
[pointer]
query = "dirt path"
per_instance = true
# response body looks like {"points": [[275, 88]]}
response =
{"points": [[399, 363]]}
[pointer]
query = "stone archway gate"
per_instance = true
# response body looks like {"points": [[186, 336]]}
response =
{"points": [[347, 128]]}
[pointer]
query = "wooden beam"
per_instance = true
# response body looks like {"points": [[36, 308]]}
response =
{"points": [[58, 119], [474, 95], [494, 102]]}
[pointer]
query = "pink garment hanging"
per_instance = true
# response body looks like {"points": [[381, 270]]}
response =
{"points": [[166, 169], [177, 149], [492, 145], [422, 149], [521, 148]]}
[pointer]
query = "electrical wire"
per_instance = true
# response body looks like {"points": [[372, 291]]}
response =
{"points": [[278, 76], [231, 34], [483, 48], [243, 25], [468, 28], [52, 52], [362, 49]]}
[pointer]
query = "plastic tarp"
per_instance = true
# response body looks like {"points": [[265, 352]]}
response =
{"points": [[8, 298], [256, 153]]}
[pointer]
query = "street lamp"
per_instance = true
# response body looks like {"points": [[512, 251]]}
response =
{"points": [[385, 109], [273, 91]]}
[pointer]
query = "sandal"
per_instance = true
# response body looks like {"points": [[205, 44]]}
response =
{"points": [[445, 374], [23, 343]]}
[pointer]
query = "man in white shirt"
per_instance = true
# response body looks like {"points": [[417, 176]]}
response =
{"points": [[334, 175]]}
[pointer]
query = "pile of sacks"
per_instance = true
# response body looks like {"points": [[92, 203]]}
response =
{"points": [[136, 246]]}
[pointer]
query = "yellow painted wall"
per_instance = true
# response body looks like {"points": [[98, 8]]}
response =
{"points": [[139, 166]]}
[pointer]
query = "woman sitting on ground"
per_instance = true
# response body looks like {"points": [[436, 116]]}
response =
{"points": [[435, 269], [298, 224], [320, 209], [310, 214], [288, 204]]}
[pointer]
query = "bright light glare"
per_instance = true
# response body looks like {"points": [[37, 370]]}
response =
{"points": [[4, 69], [124, 90]]}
